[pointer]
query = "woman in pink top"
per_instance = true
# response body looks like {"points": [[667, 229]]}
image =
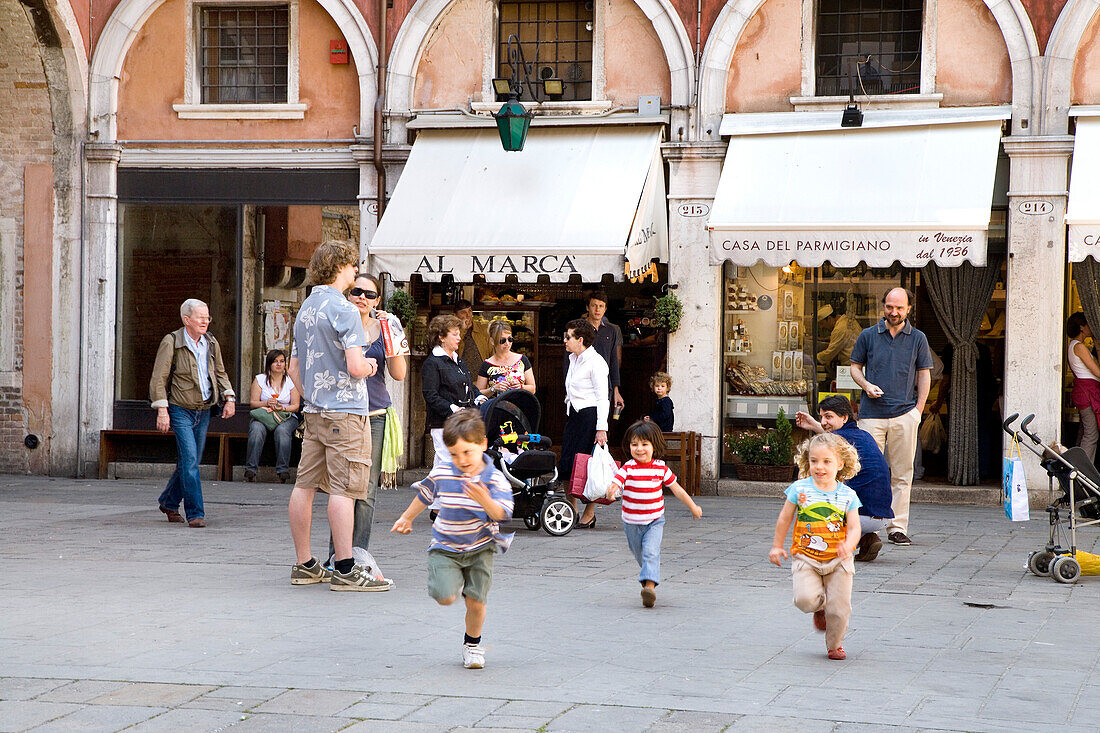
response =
{"points": [[1086, 382], [641, 482]]}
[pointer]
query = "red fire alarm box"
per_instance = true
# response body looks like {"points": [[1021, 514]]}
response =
{"points": [[338, 52]]}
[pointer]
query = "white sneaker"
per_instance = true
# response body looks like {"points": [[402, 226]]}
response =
{"points": [[473, 656]]}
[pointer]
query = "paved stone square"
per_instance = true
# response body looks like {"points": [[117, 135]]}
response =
{"points": [[112, 619]]}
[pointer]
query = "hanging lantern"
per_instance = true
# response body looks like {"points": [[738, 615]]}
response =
{"points": [[513, 120]]}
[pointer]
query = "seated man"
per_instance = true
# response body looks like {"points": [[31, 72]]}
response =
{"points": [[872, 483]]}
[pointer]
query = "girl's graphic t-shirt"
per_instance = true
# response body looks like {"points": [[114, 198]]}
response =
{"points": [[821, 518]]}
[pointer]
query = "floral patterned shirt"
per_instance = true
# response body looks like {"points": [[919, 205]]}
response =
{"points": [[327, 324]]}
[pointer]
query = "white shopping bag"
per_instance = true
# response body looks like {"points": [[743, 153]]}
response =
{"points": [[1014, 485], [601, 469]]}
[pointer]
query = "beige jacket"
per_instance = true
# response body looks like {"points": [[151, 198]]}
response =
{"points": [[181, 385]]}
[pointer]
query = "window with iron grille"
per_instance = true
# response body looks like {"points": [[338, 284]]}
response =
{"points": [[868, 46], [556, 42], [243, 54]]}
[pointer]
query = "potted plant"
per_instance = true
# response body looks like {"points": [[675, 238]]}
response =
{"points": [[767, 455], [669, 310], [401, 305]]}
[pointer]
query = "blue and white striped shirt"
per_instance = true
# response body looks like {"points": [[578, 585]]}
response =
{"points": [[463, 525]]}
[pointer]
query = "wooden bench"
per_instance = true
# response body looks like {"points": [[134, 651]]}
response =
{"points": [[686, 447], [146, 444]]}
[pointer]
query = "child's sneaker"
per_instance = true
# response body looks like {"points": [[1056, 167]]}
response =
{"points": [[473, 656], [358, 578], [649, 597], [819, 620], [301, 575], [837, 653]]}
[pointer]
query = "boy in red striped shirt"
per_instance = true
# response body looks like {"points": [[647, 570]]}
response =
{"points": [[641, 483]]}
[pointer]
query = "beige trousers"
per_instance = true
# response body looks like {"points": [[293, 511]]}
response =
{"points": [[825, 585], [897, 439]]}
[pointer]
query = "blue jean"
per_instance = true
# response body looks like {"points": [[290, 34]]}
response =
{"points": [[284, 439], [190, 429], [364, 508], [644, 541]]}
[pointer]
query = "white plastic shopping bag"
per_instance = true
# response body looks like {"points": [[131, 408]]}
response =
{"points": [[601, 469], [1015, 485]]}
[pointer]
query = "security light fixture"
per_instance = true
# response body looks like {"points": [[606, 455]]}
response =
{"points": [[553, 88], [502, 88]]}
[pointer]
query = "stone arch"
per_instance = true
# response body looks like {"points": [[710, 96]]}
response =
{"points": [[725, 34], [1061, 51], [128, 18], [426, 15]]}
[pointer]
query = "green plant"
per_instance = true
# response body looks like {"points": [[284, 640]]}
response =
{"points": [[401, 305], [669, 311], [773, 447]]}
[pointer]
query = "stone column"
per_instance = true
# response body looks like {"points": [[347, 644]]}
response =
{"points": [[695, 351], [1034, 345], [98, 309]]}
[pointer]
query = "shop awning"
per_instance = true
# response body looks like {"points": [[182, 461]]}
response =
{"points": [[911, 186], [1083, 207], [570, 203]]}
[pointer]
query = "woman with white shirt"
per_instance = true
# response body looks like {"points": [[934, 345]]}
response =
{"points": [[275, 393], [586, 403], [1086, 382]]}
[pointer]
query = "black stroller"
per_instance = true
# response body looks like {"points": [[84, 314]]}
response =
{"points": [[1075, 502], [524, 457]]}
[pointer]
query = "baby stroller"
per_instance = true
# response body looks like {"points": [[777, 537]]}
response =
{"points": [[1074, 503], [524, 457]]}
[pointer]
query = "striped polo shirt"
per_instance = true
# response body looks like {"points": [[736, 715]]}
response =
{"points": [[462, 525], [643, 490]]}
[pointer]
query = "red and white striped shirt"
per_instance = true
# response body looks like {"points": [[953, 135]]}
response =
{"points": [[642, 485]]}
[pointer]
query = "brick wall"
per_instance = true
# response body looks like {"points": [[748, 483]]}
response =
{"points": [[26, 137]]}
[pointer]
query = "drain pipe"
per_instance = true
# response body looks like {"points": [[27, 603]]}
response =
{"points": [[380, 106]]}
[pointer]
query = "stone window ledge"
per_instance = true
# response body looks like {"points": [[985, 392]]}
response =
{"points": [[240, 111]]}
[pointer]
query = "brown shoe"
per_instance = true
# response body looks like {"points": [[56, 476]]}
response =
{"points": [[196, 522], [869, 547], [174, 517]]}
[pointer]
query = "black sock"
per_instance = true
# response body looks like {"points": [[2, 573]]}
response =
{"points": [[471, 639], [344, 566], [312, 562]]}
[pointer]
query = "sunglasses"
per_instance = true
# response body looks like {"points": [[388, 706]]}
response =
{"points": [[360, 292], [506, 340]]}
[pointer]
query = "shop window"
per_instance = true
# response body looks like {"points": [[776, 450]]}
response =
{"points": [[168, 254], [556, 40], [868, 47], [243, 54]]}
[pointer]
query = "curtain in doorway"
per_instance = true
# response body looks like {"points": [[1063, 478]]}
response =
{"points": [[1087, 276], [960, 296]]}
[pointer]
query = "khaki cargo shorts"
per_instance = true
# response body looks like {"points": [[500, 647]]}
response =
{"points": [[336, 454], [469, 573]]}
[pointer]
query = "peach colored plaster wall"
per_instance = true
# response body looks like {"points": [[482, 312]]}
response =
{"points": [[634, 62], [766, 70], [153, 77], [972, 65], [1085, 87], [452, 63], [450, 70]]}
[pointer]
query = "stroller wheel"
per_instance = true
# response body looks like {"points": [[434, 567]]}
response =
{"points": [[533, 522], [1039, 562], [1065, 569], [558, 517]]}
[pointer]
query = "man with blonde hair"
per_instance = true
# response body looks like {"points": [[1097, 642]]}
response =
{"points": [[188, 376], [327, 361]]}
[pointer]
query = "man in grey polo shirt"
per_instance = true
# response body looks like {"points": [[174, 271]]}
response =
{"points": [[891, 363]]}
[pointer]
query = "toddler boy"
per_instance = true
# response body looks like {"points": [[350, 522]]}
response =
{"points": [[662, 415]]}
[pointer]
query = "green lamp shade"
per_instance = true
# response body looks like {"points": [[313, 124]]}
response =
{"points": [[512, 123]]}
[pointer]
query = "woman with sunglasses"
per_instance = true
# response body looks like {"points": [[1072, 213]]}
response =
{"points": [[504, 369], [366, 295]]}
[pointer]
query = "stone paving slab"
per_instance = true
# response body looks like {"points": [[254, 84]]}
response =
{"points": [[163, 628]]}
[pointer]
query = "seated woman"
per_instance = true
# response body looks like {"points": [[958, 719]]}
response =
{"points": [[504, 369], [276, 396]]}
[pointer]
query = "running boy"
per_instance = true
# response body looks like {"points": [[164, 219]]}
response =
{"points": [[826, 531], [473, 496], [663, 410], [641, 482]]}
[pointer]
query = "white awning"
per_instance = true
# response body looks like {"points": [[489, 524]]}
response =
{"points": [[880, 193], [1083, 208], [569, 202]]}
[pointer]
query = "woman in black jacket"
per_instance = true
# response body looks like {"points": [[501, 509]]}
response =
{"points": [[445, 381]]}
